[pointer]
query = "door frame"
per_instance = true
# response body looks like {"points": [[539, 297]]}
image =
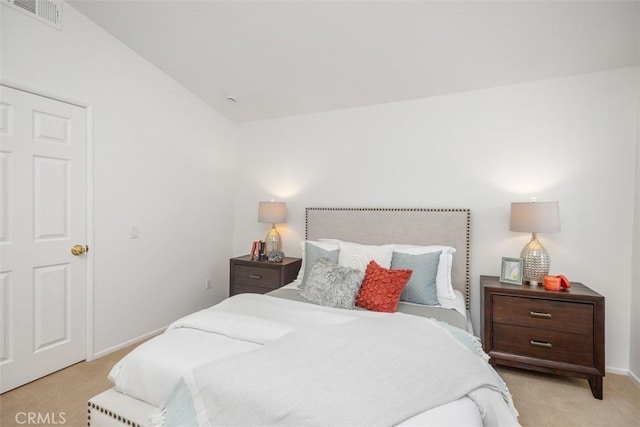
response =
{"points": [[89, 303]]}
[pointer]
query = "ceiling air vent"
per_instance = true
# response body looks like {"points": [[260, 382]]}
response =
{"points": [[47, 11]]}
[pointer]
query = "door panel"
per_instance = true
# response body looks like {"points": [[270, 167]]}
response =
{"points": [[51, 212], [50, 309], [43, 214], [5, 200], [5, 316]]}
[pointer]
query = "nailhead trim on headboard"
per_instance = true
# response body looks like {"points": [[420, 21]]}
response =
{"points": [[468, 232]]}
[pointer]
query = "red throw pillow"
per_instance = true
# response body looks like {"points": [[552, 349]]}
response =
{"points": [[381, 288]]}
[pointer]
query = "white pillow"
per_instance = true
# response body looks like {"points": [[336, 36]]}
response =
{"points": [[443, 276], [355, 255], [327, 245]]}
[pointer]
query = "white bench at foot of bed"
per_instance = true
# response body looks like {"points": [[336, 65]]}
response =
{"points": [[111, 409]]}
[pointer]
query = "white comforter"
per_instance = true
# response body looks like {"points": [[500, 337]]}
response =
{"points": [[152, 370], [247, 322]]}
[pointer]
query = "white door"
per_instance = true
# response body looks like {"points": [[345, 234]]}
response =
{"points": [[43, 213]]}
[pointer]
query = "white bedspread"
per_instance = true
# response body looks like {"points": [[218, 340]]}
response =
{"points": [[367, 372], [238, 324], [244, 323]]}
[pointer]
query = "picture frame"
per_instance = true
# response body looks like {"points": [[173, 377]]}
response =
{"points": [[511, 271]]}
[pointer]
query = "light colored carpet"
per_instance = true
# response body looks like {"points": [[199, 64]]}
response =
{"points": [[65, 391], [543, 400], [548, 400]]}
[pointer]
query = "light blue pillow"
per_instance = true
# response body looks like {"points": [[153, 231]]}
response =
{"points": [[421, 288], [313, 253]]}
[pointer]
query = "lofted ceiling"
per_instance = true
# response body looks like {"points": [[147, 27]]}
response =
{"points": [[283, 58]]}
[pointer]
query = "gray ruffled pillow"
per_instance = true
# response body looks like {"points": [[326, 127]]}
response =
{"points": [[331, 285]]}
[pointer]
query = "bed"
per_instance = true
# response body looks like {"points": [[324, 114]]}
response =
{"points": [[265, 351]]}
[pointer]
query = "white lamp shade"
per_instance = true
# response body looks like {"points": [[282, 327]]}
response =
{"points": [[272, 212], [535, 217]]}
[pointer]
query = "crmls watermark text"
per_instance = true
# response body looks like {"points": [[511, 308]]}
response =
{"points": [[35, 418]]}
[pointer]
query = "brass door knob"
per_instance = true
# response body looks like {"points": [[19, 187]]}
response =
{"points": [[78, 250]]}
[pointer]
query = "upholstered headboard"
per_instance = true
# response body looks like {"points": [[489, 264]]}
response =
{"points": [[376, 226]]}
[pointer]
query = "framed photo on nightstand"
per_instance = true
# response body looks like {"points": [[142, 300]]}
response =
{"points": [[511, 271]]}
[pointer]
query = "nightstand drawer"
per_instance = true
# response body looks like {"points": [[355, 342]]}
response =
{"points": [[257, 276], [573, 317], [246, 289], [542, 344], [248, 275]]}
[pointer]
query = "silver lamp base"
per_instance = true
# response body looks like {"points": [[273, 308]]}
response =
{"points": [[535, 262], [272, 241]]}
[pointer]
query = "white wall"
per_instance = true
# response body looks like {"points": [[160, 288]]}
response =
{"points": [[634, 354], [571, 139], [163, 161]]}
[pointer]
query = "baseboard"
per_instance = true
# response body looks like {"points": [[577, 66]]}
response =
{"points": [[128, 343], [616, 371], [626, 372]]}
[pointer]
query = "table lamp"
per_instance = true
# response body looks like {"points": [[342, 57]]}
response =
{"points": [[274, 213], [535, 217]]}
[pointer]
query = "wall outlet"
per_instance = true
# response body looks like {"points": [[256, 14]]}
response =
{"points": [[207, 283], [135, 232]]}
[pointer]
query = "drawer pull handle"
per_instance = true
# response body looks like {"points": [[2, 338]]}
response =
{"points": [[540, 344], [255, 276], [543, 315]]}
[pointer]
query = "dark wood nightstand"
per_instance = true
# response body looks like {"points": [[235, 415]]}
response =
{"points": [[260, 277], [554, 332]]}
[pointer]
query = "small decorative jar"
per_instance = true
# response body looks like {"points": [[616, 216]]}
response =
{"points": [[552, 283]]}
